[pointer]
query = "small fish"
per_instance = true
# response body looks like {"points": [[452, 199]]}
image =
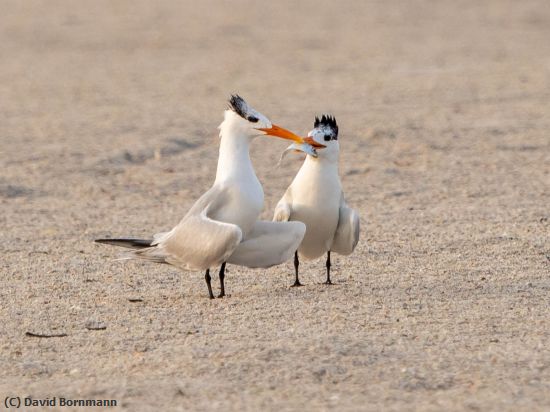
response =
{"points": [[299, 147]]}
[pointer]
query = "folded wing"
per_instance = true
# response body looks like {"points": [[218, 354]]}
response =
{"points": [[283, 208], [268, 244], [347, 231], [198, 242]]}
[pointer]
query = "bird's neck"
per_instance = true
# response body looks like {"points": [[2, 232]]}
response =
{"points": [[327, 163], [234, 158]]}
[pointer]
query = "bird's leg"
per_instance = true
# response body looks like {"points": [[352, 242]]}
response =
{"points": [[222, 285], [328, 282], [296, 264], [208, 278]]}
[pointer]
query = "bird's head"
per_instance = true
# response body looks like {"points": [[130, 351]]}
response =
{"points": [[324, 137], [241, 119]]}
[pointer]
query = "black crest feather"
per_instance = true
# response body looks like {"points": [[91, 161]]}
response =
{"points": [[238, 105], [327, 121]]}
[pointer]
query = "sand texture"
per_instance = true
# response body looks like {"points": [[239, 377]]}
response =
{"points": [[108, 117]]}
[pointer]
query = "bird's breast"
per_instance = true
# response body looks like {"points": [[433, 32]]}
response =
{"points": [[244, 205], [318, 189], [316, 202]]}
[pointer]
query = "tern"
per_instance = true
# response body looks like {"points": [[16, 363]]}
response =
{"points": [[222, 226], [315, 197]]}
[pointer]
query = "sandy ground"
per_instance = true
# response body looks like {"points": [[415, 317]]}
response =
{"points": [[108, 121]]}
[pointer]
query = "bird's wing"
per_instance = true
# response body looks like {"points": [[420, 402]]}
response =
{"points": [[283, 209], [198, 242], [347, 231], [268, 244]]}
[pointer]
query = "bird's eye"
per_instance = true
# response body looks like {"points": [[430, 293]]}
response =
{"points": [[252, 119], [327, 137]]}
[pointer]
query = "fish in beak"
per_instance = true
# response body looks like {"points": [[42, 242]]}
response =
{"points": [[299, 147], [300, 144], [308, 147]]}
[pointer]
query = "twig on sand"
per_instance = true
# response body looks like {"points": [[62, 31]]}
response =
{"points": [[46, 335]]}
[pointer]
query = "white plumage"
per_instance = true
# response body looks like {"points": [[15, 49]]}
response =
{"points": [[315, 197], [222, 226]]}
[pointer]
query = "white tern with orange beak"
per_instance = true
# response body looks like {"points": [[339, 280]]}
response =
{"points": [[222, 226], [315, 197]]}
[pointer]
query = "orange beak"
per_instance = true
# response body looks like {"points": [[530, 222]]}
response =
{"points": [[310, 141], [277, 131]]}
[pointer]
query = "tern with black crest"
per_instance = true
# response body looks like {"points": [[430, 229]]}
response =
{"points": [[316, 198], [222, 226]]}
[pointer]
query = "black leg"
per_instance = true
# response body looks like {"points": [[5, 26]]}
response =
{"points": [[222, 277], [208, 278], [296, 264], [328, 282]]}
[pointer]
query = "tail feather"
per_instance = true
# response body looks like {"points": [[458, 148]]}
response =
{"points": [[153, 254], [128, 243]]}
